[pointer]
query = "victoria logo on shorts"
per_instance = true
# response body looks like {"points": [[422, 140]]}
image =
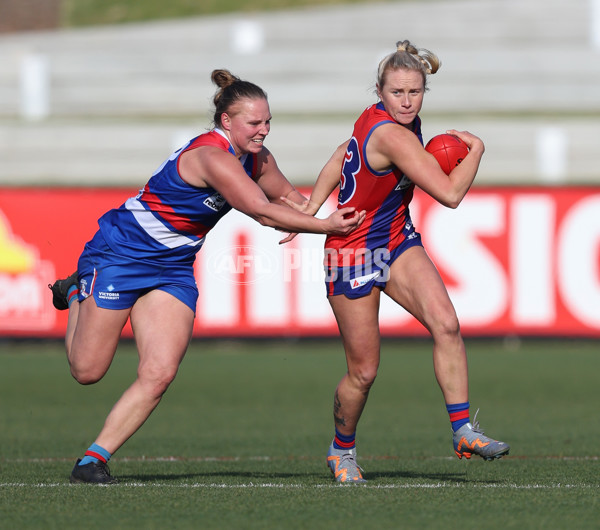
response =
{"points": [[108, 295]]}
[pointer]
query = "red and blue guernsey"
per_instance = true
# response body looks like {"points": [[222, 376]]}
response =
{"points": [[385, 195], [168, 220]]}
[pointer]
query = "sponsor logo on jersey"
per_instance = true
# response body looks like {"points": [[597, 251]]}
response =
{"points": [[404, 183], [215, 202]]}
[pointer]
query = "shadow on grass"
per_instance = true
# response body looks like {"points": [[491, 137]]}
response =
{"points": [[419, 476], [217, 475], [253, 476]]}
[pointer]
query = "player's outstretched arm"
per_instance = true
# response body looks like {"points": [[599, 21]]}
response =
{"points": [[327, 181], [223, 172]]}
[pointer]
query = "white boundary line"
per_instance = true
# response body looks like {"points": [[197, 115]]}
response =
{"points": [[286, 458], [271, 485]]}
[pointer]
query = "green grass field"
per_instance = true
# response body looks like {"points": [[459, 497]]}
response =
{"points": [[240, 438], [96, 12]]}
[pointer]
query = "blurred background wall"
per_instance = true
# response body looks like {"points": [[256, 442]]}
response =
{"points": [[29, 15], [104, 105]]}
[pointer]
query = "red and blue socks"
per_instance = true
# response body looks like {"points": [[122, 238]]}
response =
{"points": [[344, 441], [72, 294], [459, 414], [95, 453]]}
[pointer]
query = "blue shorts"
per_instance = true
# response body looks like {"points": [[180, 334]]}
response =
{"points": [[116, 281], [358, 281]]}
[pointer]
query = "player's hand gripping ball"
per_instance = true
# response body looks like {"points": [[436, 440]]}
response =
{"points": [[448, 150]]}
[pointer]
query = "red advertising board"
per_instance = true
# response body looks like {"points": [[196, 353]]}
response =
{"points": [[522, 261]]}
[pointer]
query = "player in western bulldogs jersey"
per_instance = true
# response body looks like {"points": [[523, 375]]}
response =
{"points": [[139, 264], [380, 165]]}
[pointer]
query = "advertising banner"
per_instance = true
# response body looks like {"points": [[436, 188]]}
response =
{"points": [[516, 261]]}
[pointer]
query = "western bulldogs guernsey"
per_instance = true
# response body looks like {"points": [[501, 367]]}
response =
{"points": [[384, 195], [169, 219]]}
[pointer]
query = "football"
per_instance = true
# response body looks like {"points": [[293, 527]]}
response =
{"points": [[448, 150]]}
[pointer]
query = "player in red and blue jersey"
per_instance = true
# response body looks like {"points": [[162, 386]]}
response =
{"points": [[355, 264], [139, 264], [380, 165]]}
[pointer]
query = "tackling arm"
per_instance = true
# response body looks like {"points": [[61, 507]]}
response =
{"points": [[208, 166]]}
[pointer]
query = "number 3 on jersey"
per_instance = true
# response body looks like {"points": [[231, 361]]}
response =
{"points": [[350, 168]]}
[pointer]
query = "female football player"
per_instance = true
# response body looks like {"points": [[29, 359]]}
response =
{"points": [[380, 166], [139, 264]]}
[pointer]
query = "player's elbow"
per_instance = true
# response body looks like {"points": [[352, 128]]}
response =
{"points": [[261, 215], [453, 203], [450, 201], [256, 209], [264, 220]]}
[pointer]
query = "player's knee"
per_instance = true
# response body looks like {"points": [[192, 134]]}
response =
{"points": [[158, 379], [86, 376], [446, 325], [364, 376], [161, 385], [87, 369]]}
